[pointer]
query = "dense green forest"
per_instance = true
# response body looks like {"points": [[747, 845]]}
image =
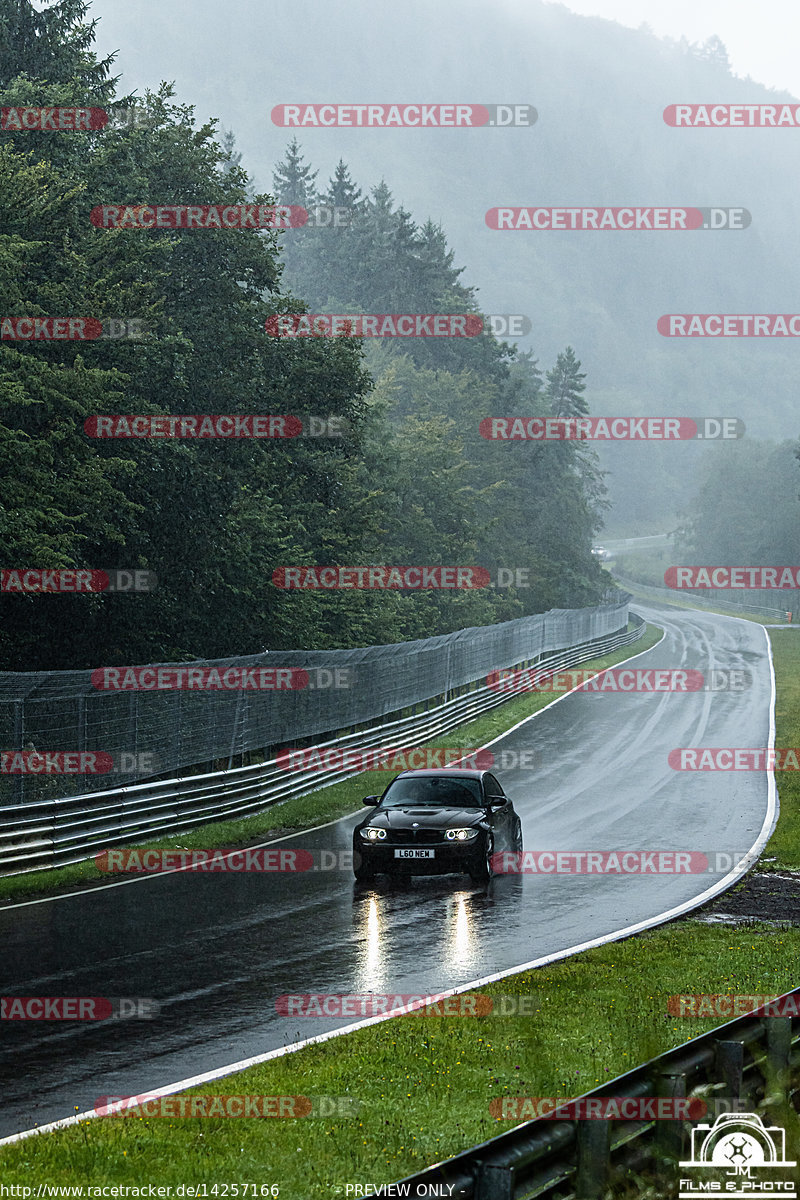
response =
{"points": [[410, 482]]}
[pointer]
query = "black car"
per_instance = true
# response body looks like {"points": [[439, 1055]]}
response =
{"points": [[436, 821]]}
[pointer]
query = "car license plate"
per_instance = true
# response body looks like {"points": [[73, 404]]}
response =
{"points": [[409, 853]]}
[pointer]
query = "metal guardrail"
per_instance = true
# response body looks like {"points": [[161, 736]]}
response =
{"points": [[692, 599], [736, 1064], [58, 832]]}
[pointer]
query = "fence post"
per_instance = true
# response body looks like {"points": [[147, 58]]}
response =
{"points": [[492, 1182], [593, 1159], [669, 1134], [729, 1064], [779, 1044]]}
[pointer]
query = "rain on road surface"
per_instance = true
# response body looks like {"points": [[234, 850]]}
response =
{"points": [[217, 950]]}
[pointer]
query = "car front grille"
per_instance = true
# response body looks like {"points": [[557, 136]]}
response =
{"points": [[410, 837]]}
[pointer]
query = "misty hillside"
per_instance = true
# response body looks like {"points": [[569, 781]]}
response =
{"points": [[600, 90]]}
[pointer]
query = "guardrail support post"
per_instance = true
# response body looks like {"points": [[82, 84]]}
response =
{"points": [[779, 1044], [669, 1134], [493, 1183], [729, 1066], [594, 1150]]}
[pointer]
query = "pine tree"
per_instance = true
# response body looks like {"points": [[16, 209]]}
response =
{"points": [[565, 386], [55, 45], [293, 181], [343, 192]]}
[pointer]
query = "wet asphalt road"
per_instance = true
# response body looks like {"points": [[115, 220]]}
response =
{"points": [[217, 950]]}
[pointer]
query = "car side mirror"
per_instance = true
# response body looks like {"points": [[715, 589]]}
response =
{"points": [[497, 801], [370, 800]]}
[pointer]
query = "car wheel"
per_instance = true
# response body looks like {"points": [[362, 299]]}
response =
{"points": [[518, 838], [481, 870]]}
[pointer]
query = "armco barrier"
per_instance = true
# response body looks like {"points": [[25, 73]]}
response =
{"points": [[57, 832], [728, 600], [738, 1063]]}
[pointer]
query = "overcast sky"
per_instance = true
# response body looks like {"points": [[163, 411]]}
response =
{"points": [[761, 36]]}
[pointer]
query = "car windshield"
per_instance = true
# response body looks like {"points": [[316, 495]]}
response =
{"points": [[428, 789]]}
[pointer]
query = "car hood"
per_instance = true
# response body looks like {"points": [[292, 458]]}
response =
{"points": [[427, 817]]}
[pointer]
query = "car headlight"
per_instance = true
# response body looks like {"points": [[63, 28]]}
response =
{"points": [[371, 834], [460, 835]]}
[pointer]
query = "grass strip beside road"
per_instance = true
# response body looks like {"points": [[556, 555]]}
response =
{"points": [[303, 812]]}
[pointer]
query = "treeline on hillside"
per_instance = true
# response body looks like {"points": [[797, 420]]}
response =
{"points": [[746, 509], [411, 482]]}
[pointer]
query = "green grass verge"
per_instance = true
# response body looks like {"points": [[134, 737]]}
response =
{"points": [[785, 842], [424, 1083], [303, 812]]}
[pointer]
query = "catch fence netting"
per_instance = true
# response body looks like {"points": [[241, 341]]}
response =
{"points": [[117, 725]]}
